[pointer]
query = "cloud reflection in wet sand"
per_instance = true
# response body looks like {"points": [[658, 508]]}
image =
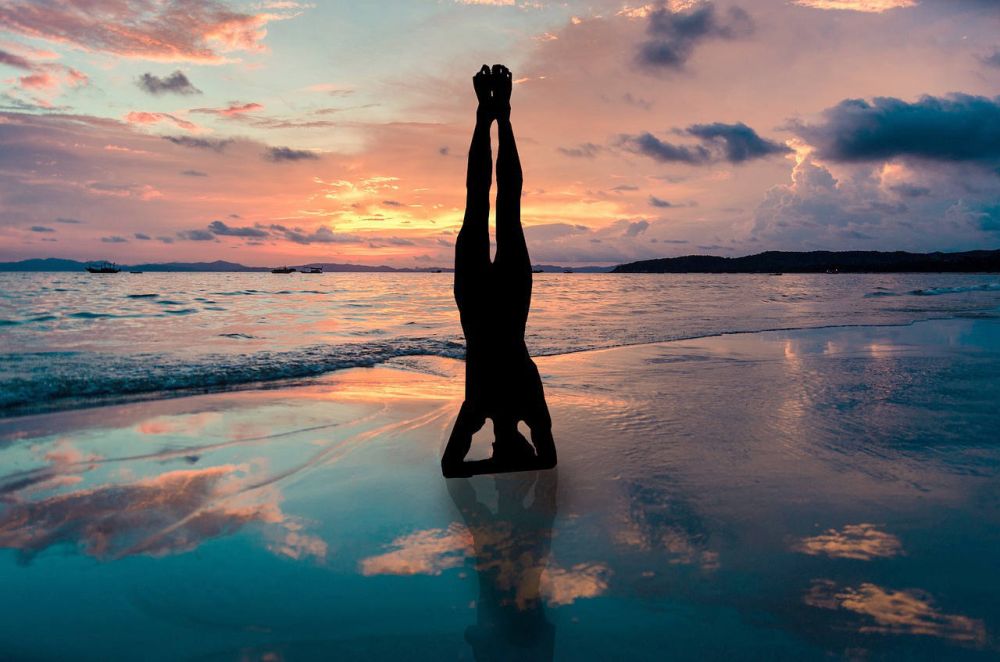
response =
{"points": [[425, 552], [165, 514], [855, 541], [896, 612]]}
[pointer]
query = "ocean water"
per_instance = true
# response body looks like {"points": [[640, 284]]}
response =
{"points": [[818, 494], [69, 340]]}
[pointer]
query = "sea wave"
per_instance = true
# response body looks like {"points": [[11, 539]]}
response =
{"points": [[47, 381], [935, 291]]}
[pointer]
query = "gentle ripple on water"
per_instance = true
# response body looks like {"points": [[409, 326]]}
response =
{"points": [[67, 335]]}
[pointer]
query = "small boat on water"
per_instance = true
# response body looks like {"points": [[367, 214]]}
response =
{"points": [[282, 270], [313, 270], [103, 268]]}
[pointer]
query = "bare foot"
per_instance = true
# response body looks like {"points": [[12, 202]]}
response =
{"points": [[503, 83], [483, 84]]}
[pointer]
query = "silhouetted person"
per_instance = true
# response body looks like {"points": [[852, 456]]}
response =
{"points": [[511, 551], [501, 380]]}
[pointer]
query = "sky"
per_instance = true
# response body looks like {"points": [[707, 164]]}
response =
{"points": [[290, 132]]}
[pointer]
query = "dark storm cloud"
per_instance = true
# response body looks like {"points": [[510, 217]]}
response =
{"points": [[910, 190], [279, 154], [322, 235], [41, 228], [738, 141], [649, 145], [220, 228], [660, 202], [196, 235], [114, 240], [141, 236], [673, 36], [198, 143], [959, 127], [735, 143], [175, 83]]}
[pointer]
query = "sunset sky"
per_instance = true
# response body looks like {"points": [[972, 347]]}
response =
{"points": [[288, 132]]}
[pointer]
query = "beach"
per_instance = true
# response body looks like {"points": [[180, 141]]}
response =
{"points": [[782, 494]]}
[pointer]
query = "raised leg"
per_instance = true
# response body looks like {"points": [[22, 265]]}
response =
{"points": [[472, 249], [512, 266]]}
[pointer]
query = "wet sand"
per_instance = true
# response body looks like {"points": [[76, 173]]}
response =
{"points": [[790, 495]]}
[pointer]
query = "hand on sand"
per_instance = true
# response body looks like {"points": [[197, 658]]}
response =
{"points": [[503, 83]]}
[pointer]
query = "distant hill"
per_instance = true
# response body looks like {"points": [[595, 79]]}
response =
{"points": [[218, 265], [820, 262], [56, 264], [45, 264]]}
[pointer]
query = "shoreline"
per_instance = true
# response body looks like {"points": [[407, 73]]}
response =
{"points": [[59, 405]]}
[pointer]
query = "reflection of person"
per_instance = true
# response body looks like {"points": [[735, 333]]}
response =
{"points": [[512, 550], [501, 380]]}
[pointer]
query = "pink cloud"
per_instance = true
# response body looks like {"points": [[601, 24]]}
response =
{"points": [[166, 514], [42, 80], [234, 109], [42, 76], [173, 30], [142, 117]]}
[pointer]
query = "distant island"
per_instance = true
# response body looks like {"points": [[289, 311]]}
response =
{"points": [[768, 262], [820, 262], [59, 264]]}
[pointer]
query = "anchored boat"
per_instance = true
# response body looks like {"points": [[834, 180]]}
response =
{"points": [[103, 268]]}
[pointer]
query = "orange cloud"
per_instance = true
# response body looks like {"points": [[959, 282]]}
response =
{"points": [[869, 6], [563, 586], [142, 117], [896, 612], [855, 541]]}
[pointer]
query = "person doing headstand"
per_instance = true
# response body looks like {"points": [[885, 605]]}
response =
{"points": [[501, 381]]}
